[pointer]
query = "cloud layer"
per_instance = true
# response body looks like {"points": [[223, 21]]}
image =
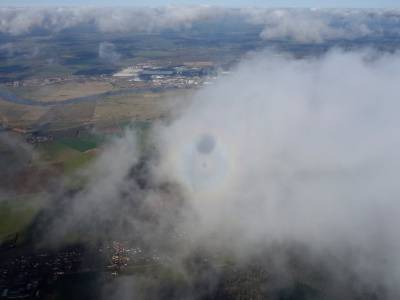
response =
{"points": [[319, 25], [17, 21], [108, 52], [299, 151], [280, 152], [299, 25]]}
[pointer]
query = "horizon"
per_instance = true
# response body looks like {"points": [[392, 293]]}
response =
{"points": [[373, 4]]}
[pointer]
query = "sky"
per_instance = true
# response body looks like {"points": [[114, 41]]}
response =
{"points": [[232, 3]]}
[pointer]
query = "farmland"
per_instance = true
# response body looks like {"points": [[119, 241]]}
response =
{"points": [[18, 211]]}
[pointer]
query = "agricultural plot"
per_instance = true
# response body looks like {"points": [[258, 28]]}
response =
{"points": [[82, 143], [17, 212], [67, 116], [60, 92], [16, 115], [70, 158]]}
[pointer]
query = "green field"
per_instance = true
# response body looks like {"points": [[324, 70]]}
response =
{"points": [[71, 159], [82, 144], [16, 213]]}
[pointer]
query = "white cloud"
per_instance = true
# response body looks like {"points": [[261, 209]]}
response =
{"points": [[319, 25], [108, 52], [300, 25], [17, 21], [280, 152], [302, 151], [7, 49]]}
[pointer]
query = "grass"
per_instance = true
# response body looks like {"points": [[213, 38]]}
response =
{"points": [[52, 151], [82, 144], [16, 213], [63, 152], [77, 162]]}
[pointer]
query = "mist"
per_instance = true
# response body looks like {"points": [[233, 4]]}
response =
{"points": [[25, 20], [321, 25], [298, 25], [15, 156], [108, 53], [282, 156], [299, 151]]}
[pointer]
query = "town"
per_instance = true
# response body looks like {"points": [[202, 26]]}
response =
{"points": [[32, 275], [142, 75]]}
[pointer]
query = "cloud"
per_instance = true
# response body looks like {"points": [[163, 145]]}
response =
{"points": [[282, 152], [294, 142], [299, 151], [16, 156], [153, 19], [7, 49], [319, 25], [299, 25], [108, 52], [16, 21], [99, 201]]}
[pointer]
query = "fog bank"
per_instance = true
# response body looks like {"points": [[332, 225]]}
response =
{"points": [[280, 156], [298, 25], [295, 151]]}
